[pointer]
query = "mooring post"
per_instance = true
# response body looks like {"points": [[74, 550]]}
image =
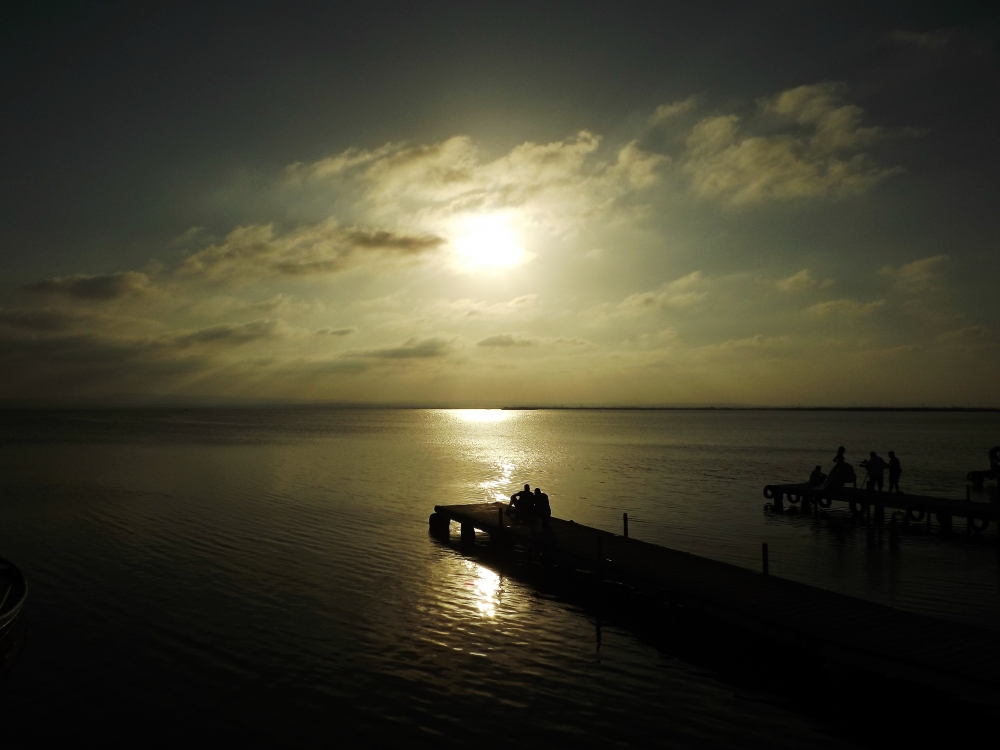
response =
{"points": [[779, 504], [763, 550], [625, 524]]}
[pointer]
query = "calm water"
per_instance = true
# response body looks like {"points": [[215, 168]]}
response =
{"points": [[267, 574]]}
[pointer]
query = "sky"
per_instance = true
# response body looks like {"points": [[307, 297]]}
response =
{"points": [[476, 204]]}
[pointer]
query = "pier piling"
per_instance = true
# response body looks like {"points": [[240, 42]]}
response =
{"points": [[625, 524], [468, 534]]}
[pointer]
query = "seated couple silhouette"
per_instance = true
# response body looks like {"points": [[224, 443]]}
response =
{"points": [[528, 505]]}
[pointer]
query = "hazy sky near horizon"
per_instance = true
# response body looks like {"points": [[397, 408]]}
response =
{"points": [[475, 203]]}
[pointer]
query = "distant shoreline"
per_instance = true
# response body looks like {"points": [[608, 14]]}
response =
{"points": [[756, 408], [321, 405]]}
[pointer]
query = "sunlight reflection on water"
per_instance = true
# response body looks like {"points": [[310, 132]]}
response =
{"points": [[480, 415], [281, 558], [486, 585]]}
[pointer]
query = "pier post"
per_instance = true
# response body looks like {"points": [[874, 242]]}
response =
{"points": [[879, 515], [806, 507], [779, 504], [944, 521], [763, 551], [468, 534], [625, 524]]}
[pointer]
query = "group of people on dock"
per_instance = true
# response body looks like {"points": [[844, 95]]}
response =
{"points": [[842, 472], [528, 505]]}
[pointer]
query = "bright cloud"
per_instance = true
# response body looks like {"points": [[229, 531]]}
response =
{"points": [[918, 276], [819, 152]]}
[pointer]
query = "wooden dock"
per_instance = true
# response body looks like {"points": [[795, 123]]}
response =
{"points": [[871, 506], [955, 657]]}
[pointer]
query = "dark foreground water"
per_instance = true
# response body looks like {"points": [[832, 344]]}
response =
{"points": [[267, 576]]}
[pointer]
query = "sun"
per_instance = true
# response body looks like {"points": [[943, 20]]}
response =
{"points": [[487, 243]]}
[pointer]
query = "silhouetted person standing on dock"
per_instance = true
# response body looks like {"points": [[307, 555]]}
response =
{"points": [[895, 470], [541, 506], [876, 471]]}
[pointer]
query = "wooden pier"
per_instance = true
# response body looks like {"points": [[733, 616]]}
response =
{"points": [[955, 657], [870, 506]]}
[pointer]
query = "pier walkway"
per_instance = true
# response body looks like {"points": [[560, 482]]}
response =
{"points": [[956, 657], [916, 508]]}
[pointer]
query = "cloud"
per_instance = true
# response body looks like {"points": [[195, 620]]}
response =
{"points": [[919, 276], [259, 251], [336, 331], [521, 307], [553, 184], [760, 341], [670, 111], [819, 154], [413, 348], [506, 340], [44, 321], [800, 281], [680, 292], [89, 287], [846, 307], [229, 334], [970, 337]]}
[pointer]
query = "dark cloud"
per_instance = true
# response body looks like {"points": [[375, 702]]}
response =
{"points": [[414, 348], [47, 321], [229, 334], [260, 251], [380, 239], [507, 340], [336, 331], [99, 288]]}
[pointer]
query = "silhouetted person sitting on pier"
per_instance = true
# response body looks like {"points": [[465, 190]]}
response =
{"points": [[842, 473], [522, 503], [876, 471], [895, 470], [541, 506], [817, 477]]}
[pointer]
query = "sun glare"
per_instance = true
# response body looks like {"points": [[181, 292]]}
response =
{"points": [[487, 243], [481, 415]]}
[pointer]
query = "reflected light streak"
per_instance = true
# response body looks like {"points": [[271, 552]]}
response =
{"points": [[486, 586], [481, 415]]}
